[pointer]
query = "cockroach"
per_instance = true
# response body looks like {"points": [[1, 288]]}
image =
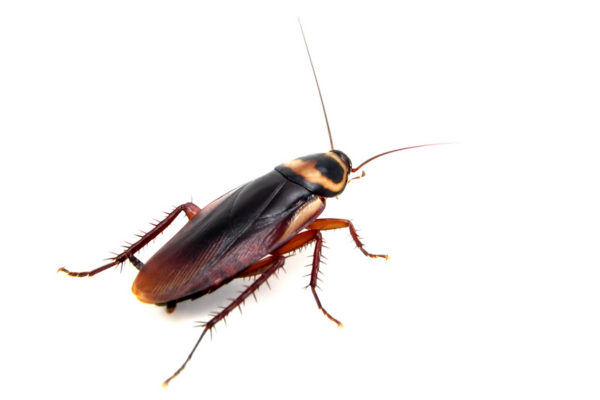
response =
{"points": [[245, 233]]}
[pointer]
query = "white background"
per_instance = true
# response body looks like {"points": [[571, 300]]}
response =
{"points": [[114, 112]]}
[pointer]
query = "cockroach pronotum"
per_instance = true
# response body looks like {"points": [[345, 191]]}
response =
{"points": [[245, 233]]}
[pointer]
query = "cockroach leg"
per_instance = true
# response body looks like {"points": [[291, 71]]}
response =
{"points": [[300, 240], [314, 276], [326, 224], [171, 306], [275, 261], [135, 261], [313, 234], [190, 210]]}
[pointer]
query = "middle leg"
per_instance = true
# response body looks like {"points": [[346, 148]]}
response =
{"points": [[300, 240]]}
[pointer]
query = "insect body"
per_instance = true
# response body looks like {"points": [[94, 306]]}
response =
{"points": [[245, 233]]}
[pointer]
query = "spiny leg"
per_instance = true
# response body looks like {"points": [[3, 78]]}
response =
{"points": [[270, 265], [314, 275], [135, 261], [276, 261], [333, 223], [303, 239], [190, 210]]}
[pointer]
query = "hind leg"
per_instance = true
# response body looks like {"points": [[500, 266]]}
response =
{"points": [[190, 210], [272, 263]]}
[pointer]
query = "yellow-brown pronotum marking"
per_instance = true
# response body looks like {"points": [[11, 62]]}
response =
{"points": [[308, 170]]}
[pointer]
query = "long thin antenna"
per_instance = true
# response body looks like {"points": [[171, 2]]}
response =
{"points": [[318, 87], [393, 151]]}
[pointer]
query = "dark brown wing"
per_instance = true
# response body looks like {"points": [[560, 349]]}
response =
{"points": [[225, 238]]}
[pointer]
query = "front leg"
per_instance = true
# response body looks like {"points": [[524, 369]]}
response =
{"points": [[333, 223]]}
